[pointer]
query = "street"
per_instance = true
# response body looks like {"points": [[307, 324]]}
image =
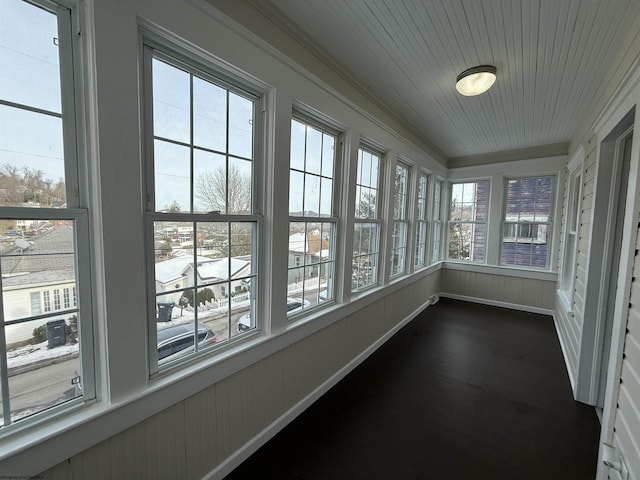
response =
{"points": [[39, 388]]}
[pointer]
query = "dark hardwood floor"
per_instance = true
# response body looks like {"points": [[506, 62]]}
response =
{"points": [[464, 391]]}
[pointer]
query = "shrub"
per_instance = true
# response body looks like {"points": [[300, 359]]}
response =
{"points": [[40, 333]]}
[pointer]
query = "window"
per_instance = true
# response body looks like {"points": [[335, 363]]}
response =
{"points": [[422, 225], [571, 233], [43, 213], [400, 221], [56, 299], [437, 222], [312, 221], [46, 296], [526, 222], [468, 221], [366, 228], [201, 217]]}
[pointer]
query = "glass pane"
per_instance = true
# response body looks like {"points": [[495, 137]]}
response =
{"points": [[314, 150], [209, 115], [298, 141], [435, 253], [174, 256], [242, 236], [215, 235], [367, 203], [399, 207], [375, 172], [311, 246], [212, 324], [172, 177], [295, 281], [399, 243], [240, 126], [311, 195], [422, 198], [482, 200], [239, 181], [42, 354], [171, 102], [210, 182], [297, 244], [326, 197], [243, 314], [357, 239], [296, 188], [29, 56], [328, 155], [32, 159], [364, 168], [436, 200]]}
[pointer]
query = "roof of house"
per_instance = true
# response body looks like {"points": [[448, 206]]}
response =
{"points": [[208, 268], [53, 250], [221, 267], [174, 268]]}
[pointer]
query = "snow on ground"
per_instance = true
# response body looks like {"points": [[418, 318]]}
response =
{"points": [[36, 353]]}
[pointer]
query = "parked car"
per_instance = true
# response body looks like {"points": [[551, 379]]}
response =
{"points": [[178, 340], [293, 305]]}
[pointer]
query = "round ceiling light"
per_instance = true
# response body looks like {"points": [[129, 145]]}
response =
{"points": [[476, 80]]}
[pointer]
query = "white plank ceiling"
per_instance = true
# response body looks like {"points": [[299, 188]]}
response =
{"points": [[551, 56]]}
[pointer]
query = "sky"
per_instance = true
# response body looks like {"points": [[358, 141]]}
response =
{"points": [[30, 76]]}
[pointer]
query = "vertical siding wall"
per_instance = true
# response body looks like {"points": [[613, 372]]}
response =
{"points": [[199, 435], [569, 322], [626, 434], [496, 289]]}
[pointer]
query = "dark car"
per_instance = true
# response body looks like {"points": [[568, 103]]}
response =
{"points": [[178, 340], [293, 305]]}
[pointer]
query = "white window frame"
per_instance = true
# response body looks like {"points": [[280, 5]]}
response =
{"points": [[436, 222], [521, 227], [313, 120], [473, 223], [201, 65], [370, 221], [573, 208], [422, 216], [76, 212], [400, 224]]}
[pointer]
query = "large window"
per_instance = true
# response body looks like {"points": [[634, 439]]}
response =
{"points": [[312, 219], [44, 360], [201, 216], [400, 220], [526, 223], [468, 221], [436, 249], [422, 224], [366, 228]]}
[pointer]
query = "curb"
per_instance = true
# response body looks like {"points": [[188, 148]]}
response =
{"points": [[39, 364]]}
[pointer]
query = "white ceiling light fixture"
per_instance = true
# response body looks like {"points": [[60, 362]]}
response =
{"points": [[476, 80]]}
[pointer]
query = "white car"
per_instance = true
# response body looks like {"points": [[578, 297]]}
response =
{"points": [[293, 305]]}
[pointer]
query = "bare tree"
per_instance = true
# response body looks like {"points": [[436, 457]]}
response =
{"points": [[26, 185], [212, 193], [227, 193]]}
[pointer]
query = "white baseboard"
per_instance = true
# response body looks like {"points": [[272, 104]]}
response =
{"points": [[240, 455], [495, 303], [565, 356]]}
